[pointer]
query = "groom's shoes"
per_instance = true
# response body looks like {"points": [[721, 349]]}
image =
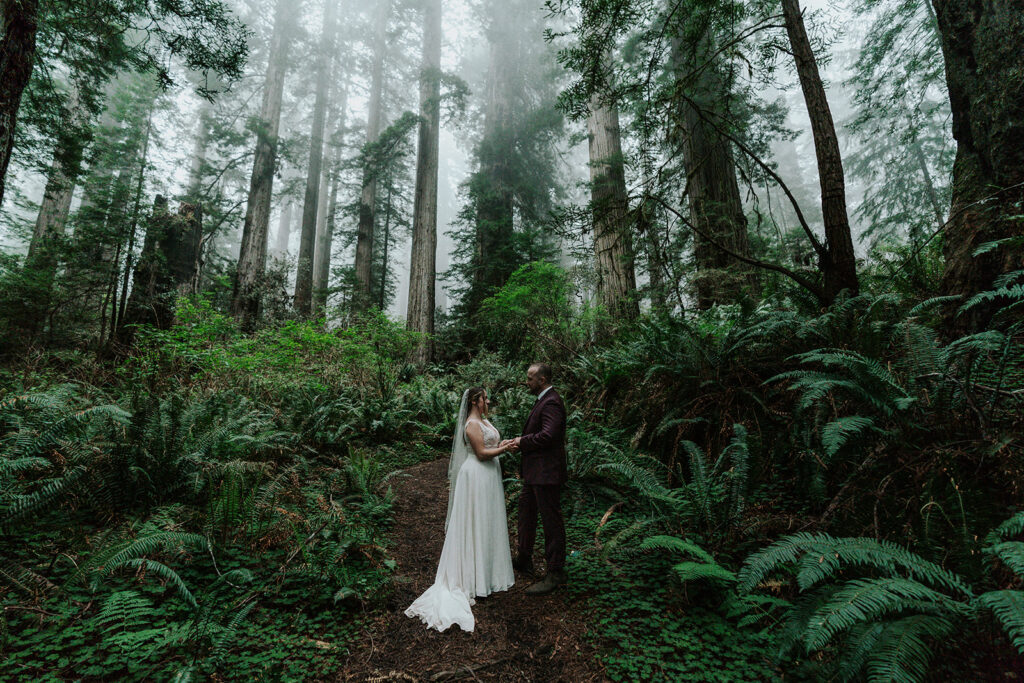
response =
{"points": [[551, 581], [523, 565]]}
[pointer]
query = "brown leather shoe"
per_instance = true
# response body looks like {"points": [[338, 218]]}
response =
{"points": [[551, 581]]}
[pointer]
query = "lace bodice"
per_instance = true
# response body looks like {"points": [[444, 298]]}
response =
{"points": [[491, 435]]}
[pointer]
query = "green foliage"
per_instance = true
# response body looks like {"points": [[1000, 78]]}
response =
{"points": [[890, 620], [536, 300]]}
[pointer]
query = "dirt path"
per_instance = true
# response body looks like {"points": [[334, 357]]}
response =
{"points": [[517, 637]]}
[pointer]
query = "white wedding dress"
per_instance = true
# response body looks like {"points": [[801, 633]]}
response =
{"points": [[476, 560]]}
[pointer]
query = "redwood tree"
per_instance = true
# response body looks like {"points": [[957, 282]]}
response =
{"points": [[252, 258], [981, 43], [423, 264]]}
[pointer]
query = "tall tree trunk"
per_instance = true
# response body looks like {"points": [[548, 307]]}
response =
{"points": [[362, 297], [423, 262], [168, 266], [981, 43], [307, 239], [325, 240], [252, 258], [382, 294], [284, 228], [495, 218], [712, 189], [118, 322], [17, 54], [60, 188], [613, 243], [195, 173], [839, 265], [716, 210]]}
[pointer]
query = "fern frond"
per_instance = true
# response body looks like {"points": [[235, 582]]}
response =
{"points": [[902, 654], [676, 545], [1012, 555], [692, 571], [827, 554], [837, 433], [867, 600], [1014, 526], [1008, 606], [167, 574]]}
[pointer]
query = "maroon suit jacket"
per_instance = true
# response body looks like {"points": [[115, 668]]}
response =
{"points": [[543, 442]]}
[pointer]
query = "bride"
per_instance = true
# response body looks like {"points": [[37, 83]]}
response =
{"points": [[476, 560]]}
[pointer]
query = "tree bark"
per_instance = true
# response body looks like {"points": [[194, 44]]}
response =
{"points": [[362, 297], [495, 217], [284, 229], [423, 262], [17, 54], [195, 174], [325, 239], [167, 268], [252, 258], [307, 239], [60, 188], [839, 263], [981, 43], [613, 243]]}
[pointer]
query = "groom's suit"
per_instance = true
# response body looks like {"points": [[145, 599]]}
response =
{"points": [[543, 469]]}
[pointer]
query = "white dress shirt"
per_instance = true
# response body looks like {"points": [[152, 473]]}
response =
{"points": [[541, 394]]}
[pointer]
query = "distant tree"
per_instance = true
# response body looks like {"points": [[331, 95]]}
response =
{"points": [[253, 255]]}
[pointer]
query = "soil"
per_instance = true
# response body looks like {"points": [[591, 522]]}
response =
{"points": [[518, 637]]}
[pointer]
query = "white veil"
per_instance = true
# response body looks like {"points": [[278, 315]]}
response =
{"points": [[460, 451]]}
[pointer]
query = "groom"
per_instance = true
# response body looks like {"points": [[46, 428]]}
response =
{"points": [[543, 471]]}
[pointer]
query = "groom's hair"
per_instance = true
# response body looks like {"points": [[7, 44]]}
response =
{"points": [[544, 370]]}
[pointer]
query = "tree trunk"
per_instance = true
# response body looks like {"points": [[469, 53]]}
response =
{"points": [[981, 43], [382, 294], [362, 297], [716, 210], [719, 224], [284, 229], [252, 258], [60, 188], [613, 243], [17, 54], [495, 217], [423, 262], [137, 207], [325, 240], [307, 239], [167, 268], [839, 266], [195, 174]]}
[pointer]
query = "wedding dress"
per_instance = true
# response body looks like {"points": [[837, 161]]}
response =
{"points": [[476, 559]]}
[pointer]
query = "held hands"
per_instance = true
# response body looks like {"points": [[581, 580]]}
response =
{"points": [[510, 445]]}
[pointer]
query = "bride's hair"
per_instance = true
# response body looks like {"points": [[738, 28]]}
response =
{"points": [[473, 394]]}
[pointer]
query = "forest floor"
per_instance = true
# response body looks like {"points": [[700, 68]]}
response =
{"points": [[517, 637]]}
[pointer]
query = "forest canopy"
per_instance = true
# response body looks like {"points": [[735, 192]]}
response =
{"points": [[252, 253]]}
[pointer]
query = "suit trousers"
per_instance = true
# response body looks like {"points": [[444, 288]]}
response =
{"points": [[545, 499]]}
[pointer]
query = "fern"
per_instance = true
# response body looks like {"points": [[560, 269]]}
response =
{"points": [[1008, 606], [825, 555], [1011, 553], [902, 653], [868, 600], [837, 433]]}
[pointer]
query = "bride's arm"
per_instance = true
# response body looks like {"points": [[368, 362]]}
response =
{"points": [[476, 440]]}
